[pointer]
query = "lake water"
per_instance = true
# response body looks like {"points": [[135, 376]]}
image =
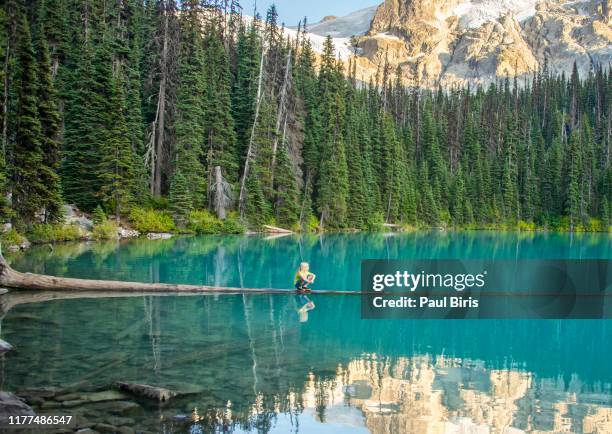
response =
{"points": [[256, 363]]}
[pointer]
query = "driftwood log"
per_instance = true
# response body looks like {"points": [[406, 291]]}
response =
{"points": [[276, 230], [10, 278]]}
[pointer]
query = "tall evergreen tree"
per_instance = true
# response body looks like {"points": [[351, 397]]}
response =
{"points": [[333, 176], [191, 95], [117, 168], [50, 122], [28, 188], [219, 132], [80, 183]]}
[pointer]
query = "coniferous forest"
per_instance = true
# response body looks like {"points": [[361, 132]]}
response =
{"points": [[127, 105]]}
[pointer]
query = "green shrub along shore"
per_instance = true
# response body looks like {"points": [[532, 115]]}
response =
{"points": [[203, 222], [140, 219]]}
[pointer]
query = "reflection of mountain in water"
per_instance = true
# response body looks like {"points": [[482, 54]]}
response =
{"points": [[448, 395]]}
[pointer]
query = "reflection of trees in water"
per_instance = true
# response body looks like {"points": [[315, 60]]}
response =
{"points": [[272, 262]]}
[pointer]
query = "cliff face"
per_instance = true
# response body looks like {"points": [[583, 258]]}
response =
{"points": [[455, 42]]}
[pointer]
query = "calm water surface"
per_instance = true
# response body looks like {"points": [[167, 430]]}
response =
{"points": [[259, 363]]}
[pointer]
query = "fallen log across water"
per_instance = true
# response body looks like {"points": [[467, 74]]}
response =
{"points": [[10, 278]]}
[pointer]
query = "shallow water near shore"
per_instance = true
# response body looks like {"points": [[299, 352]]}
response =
{"points": [[246, 363]]}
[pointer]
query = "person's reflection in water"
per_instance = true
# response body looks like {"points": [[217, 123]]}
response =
{"points": [[304, 305]]}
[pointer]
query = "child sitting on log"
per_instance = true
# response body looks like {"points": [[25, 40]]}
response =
{"points": [[303, 278]]}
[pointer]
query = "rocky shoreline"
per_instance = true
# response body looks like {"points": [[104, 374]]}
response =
{"points": [[77, 218], [105, 410]]}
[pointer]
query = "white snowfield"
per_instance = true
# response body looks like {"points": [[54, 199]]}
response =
{"points": [[354, 24], [340, 29], [342, 45], [475, 13]]}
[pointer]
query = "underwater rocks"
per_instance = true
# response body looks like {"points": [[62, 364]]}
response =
{"points": [[95, 411], [144, 390], [11, 405], [38, 392], [122, 408], [107, 395], [68, 397]]}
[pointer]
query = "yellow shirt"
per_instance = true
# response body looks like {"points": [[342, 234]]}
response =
{"points": [[301, 275]]}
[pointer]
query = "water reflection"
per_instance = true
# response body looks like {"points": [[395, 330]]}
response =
{"points": [[258, 262], [254, 366], [270, 363], [304, 305], [448, 395]]}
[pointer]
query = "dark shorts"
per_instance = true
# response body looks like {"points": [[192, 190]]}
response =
{"points": [[301, 284]]}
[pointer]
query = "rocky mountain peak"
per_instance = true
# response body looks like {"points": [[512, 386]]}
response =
{"points": [[455, 42]]}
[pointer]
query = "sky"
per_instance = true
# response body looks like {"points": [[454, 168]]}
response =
{"points": [[292, 11]]}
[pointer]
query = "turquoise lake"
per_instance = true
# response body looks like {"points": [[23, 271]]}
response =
{"points": [[259, 363]]}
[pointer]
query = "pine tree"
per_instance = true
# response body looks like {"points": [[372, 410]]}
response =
{"points": [[98, 215], [606, 212], [50, 122], [29, 190], [333, 173], [285, 190], [132, 83], [79, 174], [191, 98], [5, 210], [574, 194], [117, 167], [394, 169], [264, 136], [219, 132], [258, 209], [358, 211], [244, 91], [509, 189], [180, 200], [458, 210], [307, 87], [429, 211]]}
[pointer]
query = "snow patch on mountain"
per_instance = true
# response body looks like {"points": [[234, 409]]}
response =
{"points": [[340, 29], [353, 24], [474, 13], [342, 45]]}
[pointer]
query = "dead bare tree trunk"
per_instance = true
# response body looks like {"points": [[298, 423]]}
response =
{"points": [[161, 111], [279, 117], [223, 195], [250, 152]]}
